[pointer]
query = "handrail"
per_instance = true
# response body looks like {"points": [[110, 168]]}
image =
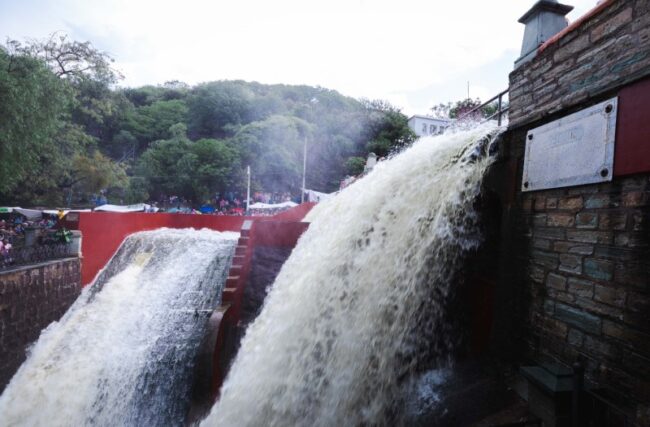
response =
{"points": [[498, 113]]}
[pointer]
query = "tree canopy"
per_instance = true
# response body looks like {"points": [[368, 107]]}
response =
{"points": [[68, 132]]}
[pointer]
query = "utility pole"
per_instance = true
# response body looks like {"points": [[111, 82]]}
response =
{"points": [[467, 89], [248, 187], [304, 169], [312, 102]]}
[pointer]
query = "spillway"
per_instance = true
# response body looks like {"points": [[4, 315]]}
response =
{"points": [[124, 353], [361, 303]]}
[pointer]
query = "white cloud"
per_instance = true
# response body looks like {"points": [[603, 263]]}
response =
{"points": [[408, 52]]}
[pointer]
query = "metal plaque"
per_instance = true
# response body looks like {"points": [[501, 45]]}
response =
{"points": [[574, 150]]}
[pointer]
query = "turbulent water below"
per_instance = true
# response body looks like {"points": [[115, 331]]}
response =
{"points": [[124, 353], [360, 304]]}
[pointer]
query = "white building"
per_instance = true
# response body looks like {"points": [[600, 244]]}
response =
{"points": [[425, 125]]}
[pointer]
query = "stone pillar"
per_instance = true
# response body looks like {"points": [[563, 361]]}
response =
{"points": [[75, 243], [544, 20]]}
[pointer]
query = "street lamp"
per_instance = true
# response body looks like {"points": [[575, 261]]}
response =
{"points": [[313, 102]]}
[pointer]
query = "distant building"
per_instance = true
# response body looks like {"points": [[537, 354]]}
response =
{"points": [[424, 125]]}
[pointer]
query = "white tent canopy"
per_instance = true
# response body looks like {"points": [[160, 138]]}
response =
{"points": [[140, 207], [260, 205], [31, 214]]}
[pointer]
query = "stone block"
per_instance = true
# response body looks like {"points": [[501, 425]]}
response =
{"points": [[539, 220], [542, 244], [639, 220], [571, 203], [600, 309], [609, 295], [613, 221], [573, 248], [634, 199], [546, 259], [587, 220], [549, 306], [570, 263], [614, 253], [551, 233], [575, 337], [599, 269], [611, 25], [536, 273], [599, 201], [578, 318], [555, 281], [551, 202], [587, 236], [560, 220], [581, 288], [631, 240], [572, 48]]}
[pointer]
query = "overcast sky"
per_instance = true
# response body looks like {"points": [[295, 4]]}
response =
{"points": [[413, 53]]}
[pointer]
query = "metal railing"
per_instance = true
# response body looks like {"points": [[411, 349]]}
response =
{"points": [[501, 110]]}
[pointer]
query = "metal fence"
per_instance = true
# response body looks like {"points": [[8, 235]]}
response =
{"points": [[34, 254]]}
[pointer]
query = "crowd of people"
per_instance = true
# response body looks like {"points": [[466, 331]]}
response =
{"points": [[227, 203], [15, 229]]}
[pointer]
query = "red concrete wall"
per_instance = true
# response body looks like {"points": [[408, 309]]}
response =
{"points": [[276, 233], [103, 232], [632, 152], [294, 214]]}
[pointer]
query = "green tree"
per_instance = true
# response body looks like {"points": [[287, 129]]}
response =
{"points": [[33, 107], [194, 170], [355, 165], [215, 107], [388, 129]]}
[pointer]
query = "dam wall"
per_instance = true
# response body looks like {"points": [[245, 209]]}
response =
{"points": [[32, 297], [103, 232], [574, 259]]}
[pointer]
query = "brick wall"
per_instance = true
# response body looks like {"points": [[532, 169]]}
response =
{"points": [[607, 51], [30, 299], [574, 281]]}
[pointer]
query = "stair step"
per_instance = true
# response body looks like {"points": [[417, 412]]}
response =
{"points": [[232, 281], [228, 294]]}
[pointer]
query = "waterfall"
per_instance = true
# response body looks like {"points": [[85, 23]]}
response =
{"points": [[124, 353], [360, 303]]}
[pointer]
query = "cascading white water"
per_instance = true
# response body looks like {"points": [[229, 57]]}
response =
{"points": [[361, 301], [123, 354]]}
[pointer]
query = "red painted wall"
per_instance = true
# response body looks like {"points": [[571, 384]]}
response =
{"points": [[632, 152], [294, 214], [276, 233], [103, 232]]}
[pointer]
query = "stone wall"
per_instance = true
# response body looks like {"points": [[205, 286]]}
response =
{"points": [[574, 276], [607, 51], [583, 255], [31, 298]]}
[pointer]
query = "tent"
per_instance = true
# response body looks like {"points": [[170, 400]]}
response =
{"points": [[31, 214], [140, 207], [260, 205]]}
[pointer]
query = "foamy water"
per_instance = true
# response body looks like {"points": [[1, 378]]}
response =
{"points": [[361, 301], [123, 354]]}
